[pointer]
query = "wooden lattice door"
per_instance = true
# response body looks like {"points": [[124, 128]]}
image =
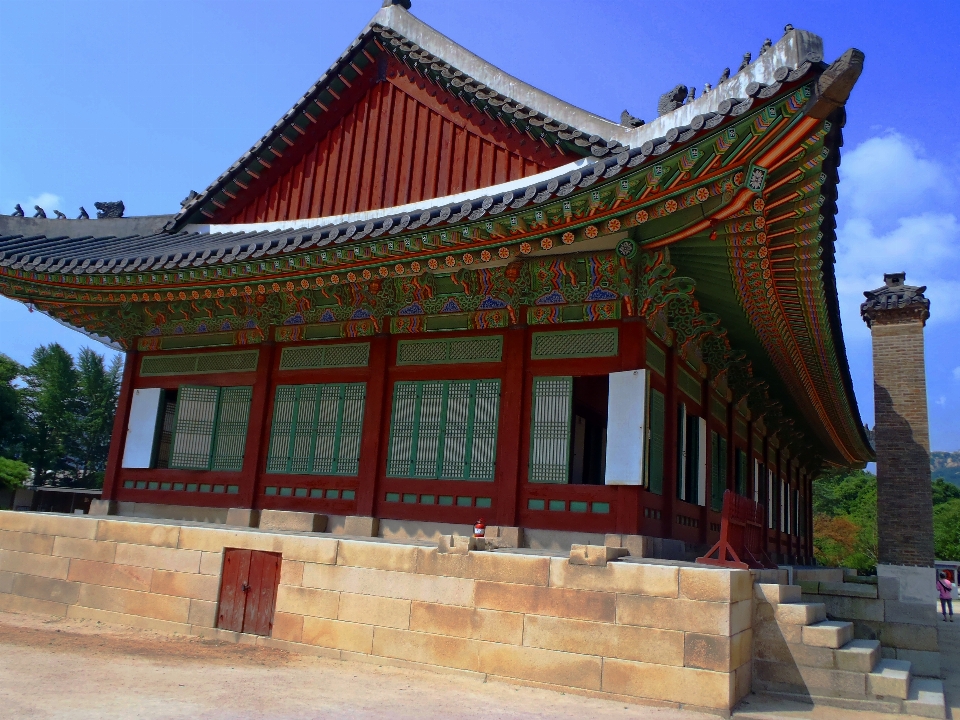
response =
{"points": [[248, 591]]}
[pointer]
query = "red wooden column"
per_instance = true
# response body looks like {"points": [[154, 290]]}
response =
{"points": [[111, 474], [509, 441], [373, 445], [633, 344], [258, 431]]}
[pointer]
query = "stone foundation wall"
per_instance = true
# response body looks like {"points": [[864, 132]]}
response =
{"points": [[649, 631]]}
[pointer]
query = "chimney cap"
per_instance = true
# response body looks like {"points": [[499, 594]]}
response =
{"points": [[895, 302]]}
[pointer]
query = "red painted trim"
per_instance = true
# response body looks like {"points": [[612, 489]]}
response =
{"points": [[258, 428], [632, 346], [374, 442], [119, 434]]}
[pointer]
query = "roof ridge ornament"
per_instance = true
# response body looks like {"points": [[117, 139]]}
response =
{"points": [[405, 4], [17, 211], [895, 302]]}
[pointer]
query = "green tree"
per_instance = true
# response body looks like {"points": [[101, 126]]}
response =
{"points": [[13, 473], [51, 404], [944, 492], [11, 412], [946, 530], [845, 519], [99, 389]]}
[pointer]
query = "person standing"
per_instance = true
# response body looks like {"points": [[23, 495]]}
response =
{"points": [[946, 602]]}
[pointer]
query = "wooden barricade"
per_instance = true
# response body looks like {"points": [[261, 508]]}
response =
{"points": [[741, 535]]}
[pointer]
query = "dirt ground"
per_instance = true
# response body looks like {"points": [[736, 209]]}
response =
{"points": [[57, 668]]}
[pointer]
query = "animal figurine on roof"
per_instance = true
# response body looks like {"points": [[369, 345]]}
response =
{"points": [[724, 76], [746, 61], [628, 120], [17, 211], [109, 209], [670, 101], [766, 46], [83, 214], [39, 212], [60, 215]]}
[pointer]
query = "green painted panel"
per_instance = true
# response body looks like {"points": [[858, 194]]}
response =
{"points": [[601, 342], [437, 351], [656, 359], [194, 425], [316, 357], [230, 438], [658, 425], [690, 385], [200, 363], [550, 429], [174, 342]]}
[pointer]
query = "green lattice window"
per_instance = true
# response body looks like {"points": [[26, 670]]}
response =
{"points": [[444, 429], [550, 430], [210, 429], [441, 351], [691, 456], [317, 429], [657, 428], [718, 470], [600, 342], [740, 472]]}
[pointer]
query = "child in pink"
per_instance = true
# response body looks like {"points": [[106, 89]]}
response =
{"points": [[945, 587]]}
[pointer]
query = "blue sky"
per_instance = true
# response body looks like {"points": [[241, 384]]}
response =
{"points": [[144, 101]]}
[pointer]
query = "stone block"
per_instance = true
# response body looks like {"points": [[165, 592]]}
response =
{"points": [[211, 563], [6, 581], [361, 526], [188, 585], [773, 576], [457, 544], [917, 584], [922, 662], [129, 602], [307, 601], [138, 533], [715, 652], [373, 610], [595, 555], [908, 637], [715, 584], [639, 546], [851, 608], [688, 686], [379, 555], [158, 558], [31, 606], [49, 524], [338, 635], [890, 678], [322, 550], [834, 575], [888, 653], [127, 577], [628, 578], [808, 587], [776, 594], [805, 613], [667, 549], [465, 622], [769, 643], [788, 677], [926, 699], [508, 568], [888, 587], [26, 542], [30, 564], [287, 627], [215, 539], [291, 572], [858, 656], [82, 549], [292, 521], [81, 612], [909, 613], [403, 586], [557, 602], [426, 648], [828, 633], [743, 681], [98, 506], [505, 536], [243, 517], [848, 589], [678, 614], [43, 588], [202, 613], [811, 656], [542, 666]]}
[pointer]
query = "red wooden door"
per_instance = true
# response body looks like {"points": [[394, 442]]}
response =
{"points": [[248, 590]]}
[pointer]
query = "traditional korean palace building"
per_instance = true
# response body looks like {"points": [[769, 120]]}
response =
{"points": [[432, 292]]}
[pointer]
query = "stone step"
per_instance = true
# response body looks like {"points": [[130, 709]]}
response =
{"points": [[828, 633], [777, 594], [801, 613], [858, 655], [926, 698], [890, 678]]}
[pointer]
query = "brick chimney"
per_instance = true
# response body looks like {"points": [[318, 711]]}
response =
{"points": [[896, 314]]}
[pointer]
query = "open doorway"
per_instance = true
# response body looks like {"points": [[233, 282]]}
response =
{"points": [[588, 432]]}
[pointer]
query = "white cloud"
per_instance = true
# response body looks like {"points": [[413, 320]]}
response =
{"points": [[942, 400], [956, 373], [897, 213], [48, 201]]}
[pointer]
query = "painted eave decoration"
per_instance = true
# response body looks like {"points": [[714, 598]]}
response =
{"points": [[714, 224]]}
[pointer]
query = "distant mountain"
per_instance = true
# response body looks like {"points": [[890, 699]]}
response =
{"points": [[945, 465]]}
